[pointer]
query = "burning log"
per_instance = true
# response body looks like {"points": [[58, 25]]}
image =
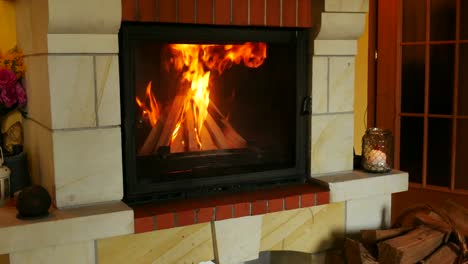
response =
{"points": [[216, 132], [170, 124], [422, 234], [192, 142]]}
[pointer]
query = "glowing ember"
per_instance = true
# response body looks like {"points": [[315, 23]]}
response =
{"points": [[197, 65]]}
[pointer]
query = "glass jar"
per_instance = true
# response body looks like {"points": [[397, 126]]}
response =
{"points": [[377, 150]]}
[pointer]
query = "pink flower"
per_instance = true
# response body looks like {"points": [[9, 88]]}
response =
{"points": [[7, 79], [20, 94], [8, 96]]}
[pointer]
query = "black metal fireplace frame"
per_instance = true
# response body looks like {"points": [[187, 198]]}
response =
{"points": [[136, 192]]}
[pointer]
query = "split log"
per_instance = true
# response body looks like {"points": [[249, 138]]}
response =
{"points": [[233, 138], [433, 221], [150, 141], [447, 254], [458, 215], [192, 142], [216, 132], [356, 253], [207, 141], [374, 236], [171, 120], [411, 247]]}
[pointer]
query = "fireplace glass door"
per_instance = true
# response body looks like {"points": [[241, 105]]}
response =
{"points": [[209, 109]]}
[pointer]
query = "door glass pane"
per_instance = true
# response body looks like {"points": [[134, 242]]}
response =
{"points": [[414, 20], [439, 151], [441, 79], [412, 79], [464, 20], [461, 168], [443, 19], [463, 81], [411, 147]]}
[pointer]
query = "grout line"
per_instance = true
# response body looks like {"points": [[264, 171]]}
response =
{"points": [[315, 199], [176, 3], [156, 7], [333, 113], [265, 13], [155, 223], [248, 12], [267, 206], [284, 203], [281, 13], [195, 8], [213, 12], [328, 84], [213, 217], [300, 200], [250, 208], [137, 10], [96, 101], [195, 220], [232, 11], [232, 211], [176, 219], [297, 13]]}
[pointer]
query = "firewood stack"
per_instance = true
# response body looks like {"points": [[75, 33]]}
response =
{"points": [[421, 234]]}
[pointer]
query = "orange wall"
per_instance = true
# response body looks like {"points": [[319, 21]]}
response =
{"points": [[360, 92], [7, 25]]}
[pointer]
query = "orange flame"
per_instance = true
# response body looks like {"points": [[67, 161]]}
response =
{"points": [[152, 112], [196, 63]]}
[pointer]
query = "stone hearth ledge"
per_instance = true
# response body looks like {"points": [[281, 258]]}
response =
{"points": [[359, 184], [365, 194], [64, 227]]}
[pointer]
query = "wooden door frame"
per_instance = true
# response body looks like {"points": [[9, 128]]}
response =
{"points": [[384, 73]]}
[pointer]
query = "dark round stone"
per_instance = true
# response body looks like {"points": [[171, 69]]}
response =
{"points": [[33, 201]]}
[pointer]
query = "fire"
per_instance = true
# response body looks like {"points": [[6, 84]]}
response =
{"points": [[152, 112], [198, 64]]}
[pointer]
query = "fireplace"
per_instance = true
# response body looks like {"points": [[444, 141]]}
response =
{"points": [[210, 109]]}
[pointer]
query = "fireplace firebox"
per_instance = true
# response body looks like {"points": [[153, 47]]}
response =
{"points": [[210, 109]]}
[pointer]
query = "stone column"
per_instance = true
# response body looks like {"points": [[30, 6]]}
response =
{"points": [[72, 132]]}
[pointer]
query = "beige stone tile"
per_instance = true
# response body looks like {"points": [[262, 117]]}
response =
{"points": [[341, 84], [188, 244], [368, 213], [78, 253], [107, 90], [36, 82], [85, 16], [64, 227], [335, 47], [342, 26], [237, 240], [309, 230], [88, 166], [83, 43], [346, 5], [72, 92], [39, 148], [319, 84], [359, 184], [332, 143]]}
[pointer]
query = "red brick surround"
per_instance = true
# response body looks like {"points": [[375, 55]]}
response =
{"points": [[181, 213], [286, 13]]}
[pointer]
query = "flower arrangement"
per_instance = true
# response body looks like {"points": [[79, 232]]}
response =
{"points": [[12, 93], [12, 101]]}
